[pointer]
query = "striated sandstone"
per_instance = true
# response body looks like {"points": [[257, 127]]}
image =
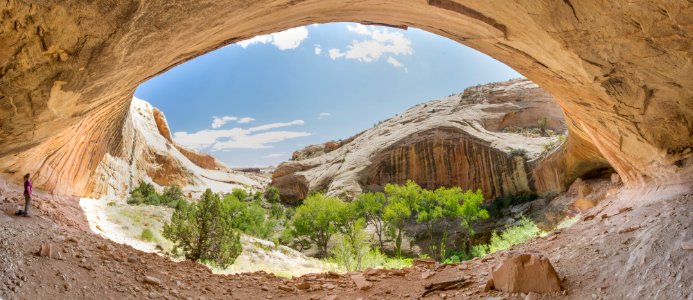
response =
{"points": [[151, 156], [454, 141], [620, 70]]}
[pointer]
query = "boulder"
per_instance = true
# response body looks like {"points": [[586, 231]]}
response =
{"points": [[524, 273], [361, 282]]}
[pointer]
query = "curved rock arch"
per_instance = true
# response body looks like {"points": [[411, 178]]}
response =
{"points": [[621, 71]]}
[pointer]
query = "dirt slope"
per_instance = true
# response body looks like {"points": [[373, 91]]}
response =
{"points": [[633, 254]]}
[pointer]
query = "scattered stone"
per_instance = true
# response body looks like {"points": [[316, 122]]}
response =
{"points": [[264, 288], [424, 262], [588, 217], [286, 288], [687, 245], [605, 216], [524, 273], [552, 237], [427, 274], [615, 178], [303, 285], [532, 296], [152, 280], [629, 229], [46, 250], [624, 209], [361, 282], [329, 286]]}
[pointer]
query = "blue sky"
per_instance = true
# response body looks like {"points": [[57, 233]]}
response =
{"points": [[255, 102]]}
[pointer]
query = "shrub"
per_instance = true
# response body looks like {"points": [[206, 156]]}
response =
{"points": [[272, 194], [514, 235], [148, 235], [542, 125], [518, 152], [204, 231]]}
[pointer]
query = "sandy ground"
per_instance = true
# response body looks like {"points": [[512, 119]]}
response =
{"points": [[618, 254]]}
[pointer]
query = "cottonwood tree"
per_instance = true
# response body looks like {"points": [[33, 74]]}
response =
{"points": [[402, 201], [371, 206], [317, 219]]}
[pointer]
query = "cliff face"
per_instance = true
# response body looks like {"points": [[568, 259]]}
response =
{"points": [[620, 69], [149, 154], [462, 140]]}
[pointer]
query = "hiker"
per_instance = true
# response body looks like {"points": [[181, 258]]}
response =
{"points": [[27, 194]]}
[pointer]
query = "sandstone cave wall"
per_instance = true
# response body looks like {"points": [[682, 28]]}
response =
{"points": [[68, 68]]}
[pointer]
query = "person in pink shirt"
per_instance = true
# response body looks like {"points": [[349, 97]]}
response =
{"points": [[28, 192]]}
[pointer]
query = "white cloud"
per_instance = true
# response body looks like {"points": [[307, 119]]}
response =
{"points": [[283, 40], [274, 155], [393, 61], [238, 138], [335, 53], [245, 120], [318, 50], [218, 122], [323, 115], [276, 125], [378, 42]]}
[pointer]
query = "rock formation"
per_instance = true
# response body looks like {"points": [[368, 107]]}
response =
{"points": [[152, 155], [525, 273], [620, 70], [462, 140]]}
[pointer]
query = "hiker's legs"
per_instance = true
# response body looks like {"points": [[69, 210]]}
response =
{"points": [[27, 204]]}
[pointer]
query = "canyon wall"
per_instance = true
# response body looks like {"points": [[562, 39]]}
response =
{"points": [[620, 69], [484, 138], [152, 156]]}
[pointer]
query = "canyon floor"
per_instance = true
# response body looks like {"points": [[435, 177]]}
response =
{"points": [[629, 246]]}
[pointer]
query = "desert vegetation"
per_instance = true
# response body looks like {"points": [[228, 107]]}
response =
{"points": [[369, 231]]}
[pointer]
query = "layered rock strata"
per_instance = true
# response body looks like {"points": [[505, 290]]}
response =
{"points": [[152, 156], [461, 140]]}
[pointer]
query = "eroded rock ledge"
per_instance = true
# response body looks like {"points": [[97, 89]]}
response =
{"points": [[621, 70], [464, 140]]}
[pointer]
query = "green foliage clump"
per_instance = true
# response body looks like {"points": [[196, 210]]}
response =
{"points": [[518, 152], [148, 235], [272, 194], [317, 220], [514, 235], [541, 123], [145, 193], [204, 231]]}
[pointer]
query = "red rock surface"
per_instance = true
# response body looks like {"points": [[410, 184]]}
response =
{"points": [[524, 273]]}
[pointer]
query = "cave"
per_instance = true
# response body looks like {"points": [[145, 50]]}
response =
{"points": [[620, 71], [623, 79]]}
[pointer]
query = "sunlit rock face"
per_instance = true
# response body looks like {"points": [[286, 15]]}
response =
{"points": [[621, 70], [462, 140], [152, 156]]}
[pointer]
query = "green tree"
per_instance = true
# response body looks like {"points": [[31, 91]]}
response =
{"points": [[542, 125], [471, 211], [371, 206], [272, 194], [172, 195], [144, 193], [317, 220], [204, 231], [241, 194], [429, 212], [402, 201]]}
